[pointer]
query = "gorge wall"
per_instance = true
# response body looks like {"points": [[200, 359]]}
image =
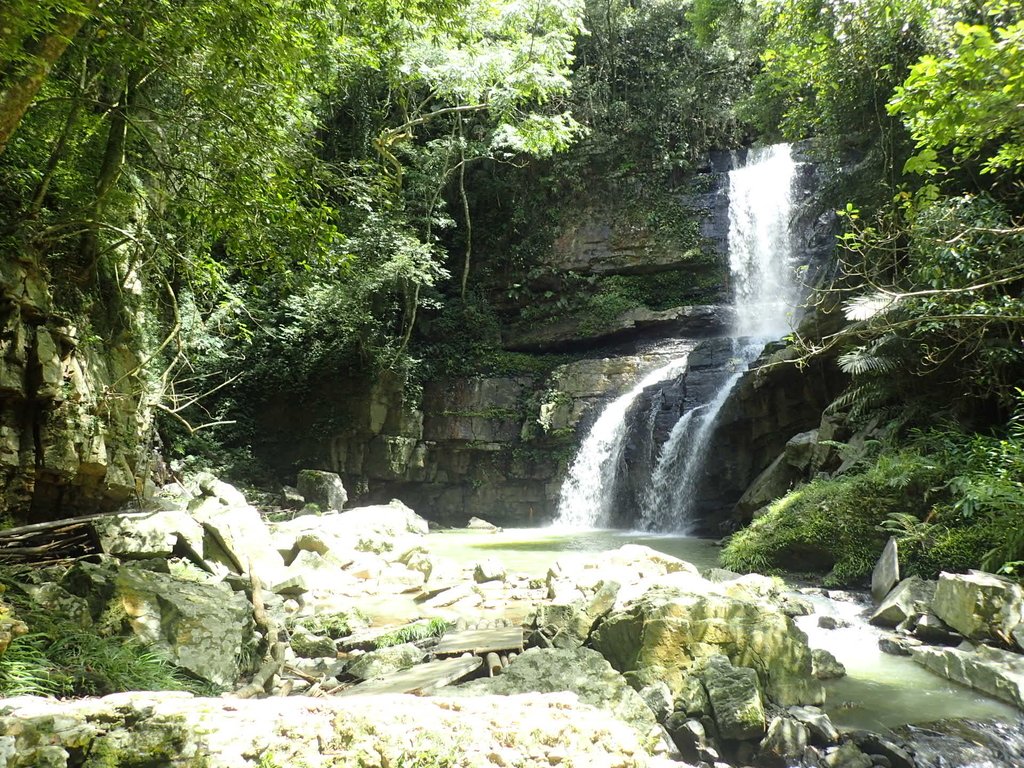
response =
{"points": [[75, 404], [498, 446]]}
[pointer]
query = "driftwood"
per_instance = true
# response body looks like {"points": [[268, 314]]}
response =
{"points": [[264, 677], [50, 542]]}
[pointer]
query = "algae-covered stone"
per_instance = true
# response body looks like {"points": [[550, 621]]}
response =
{"points": [[825, 666], [735, 699], [386, 660], [578, 670], [203, 628], [662, 634], [324, 489]]}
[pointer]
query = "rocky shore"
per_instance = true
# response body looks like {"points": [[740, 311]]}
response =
{"points": [[623, 658]]}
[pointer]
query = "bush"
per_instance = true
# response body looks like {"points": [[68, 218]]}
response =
{"points": [[953, 501]]}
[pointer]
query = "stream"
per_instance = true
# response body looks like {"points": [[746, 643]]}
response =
{"points": [[880, 692]]}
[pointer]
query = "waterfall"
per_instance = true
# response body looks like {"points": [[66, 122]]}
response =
{"points": [[675, 475], [585, 498], [760, 246], [764, 294]]}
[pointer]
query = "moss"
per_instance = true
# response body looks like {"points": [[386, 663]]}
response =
{"points": [[828, 526], [956, 549]]}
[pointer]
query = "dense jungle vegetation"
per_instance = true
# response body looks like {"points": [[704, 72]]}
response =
{"points": [[280, 191]]}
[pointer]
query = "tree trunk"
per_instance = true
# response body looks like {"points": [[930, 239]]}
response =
{"points": [[18, 94]]}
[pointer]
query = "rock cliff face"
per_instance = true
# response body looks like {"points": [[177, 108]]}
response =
{"points": [[492, 447], [74, 407]]}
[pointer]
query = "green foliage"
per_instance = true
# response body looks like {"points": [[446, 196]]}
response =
{"points": [[410, 633], [60, 658], [828, 526], [967, 101], [954, 500]]}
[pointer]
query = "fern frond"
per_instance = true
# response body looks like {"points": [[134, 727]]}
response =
{"points": [[869, 306], [862, 398], [861, 360]]}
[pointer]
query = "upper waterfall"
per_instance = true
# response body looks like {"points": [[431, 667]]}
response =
{"points": [[764, 294], [761, 267]]}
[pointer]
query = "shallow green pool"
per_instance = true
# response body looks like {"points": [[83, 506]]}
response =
{"points": [[533, 550]]}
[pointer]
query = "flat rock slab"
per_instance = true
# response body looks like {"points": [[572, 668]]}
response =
{"points": [[165, 728], [995, 672], [481, 641], [422, 677]]}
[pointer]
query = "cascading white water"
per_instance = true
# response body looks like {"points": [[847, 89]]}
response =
{"points": [[764, 294], [760, 245], [679, 463], [584, 501]]}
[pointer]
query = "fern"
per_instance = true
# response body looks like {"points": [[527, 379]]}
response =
{"points": [[863, 360]]}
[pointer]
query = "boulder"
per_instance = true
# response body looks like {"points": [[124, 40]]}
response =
{"points": [[324, 489], [307, 645], [909, 598], [490, 569], [204, 628], [786, 740], [819, 726], [993, 671], [848, 755], [378, 529], [692, 699], [478, 524], [981, 606], [235, 536], [147, 534], [386, 660], [154, 728], [886, 573], [579, 670], [567, 622], [658, 699], [929, 628], [688, 735], [660, 636], [825, 666], [735, 699]]}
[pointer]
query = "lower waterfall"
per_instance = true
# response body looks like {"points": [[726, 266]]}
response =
{"points": [[584, 501]]}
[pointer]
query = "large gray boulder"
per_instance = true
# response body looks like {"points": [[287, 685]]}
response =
{"points": [[148, 534], [579, 670], [204, 628], [991, 670], [981, 606], [235, 536], [324, 489], [910, 597], [662, 634], [786, 741]]}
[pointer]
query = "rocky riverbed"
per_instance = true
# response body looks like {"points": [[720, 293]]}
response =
{"points": [[623, 658]]}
